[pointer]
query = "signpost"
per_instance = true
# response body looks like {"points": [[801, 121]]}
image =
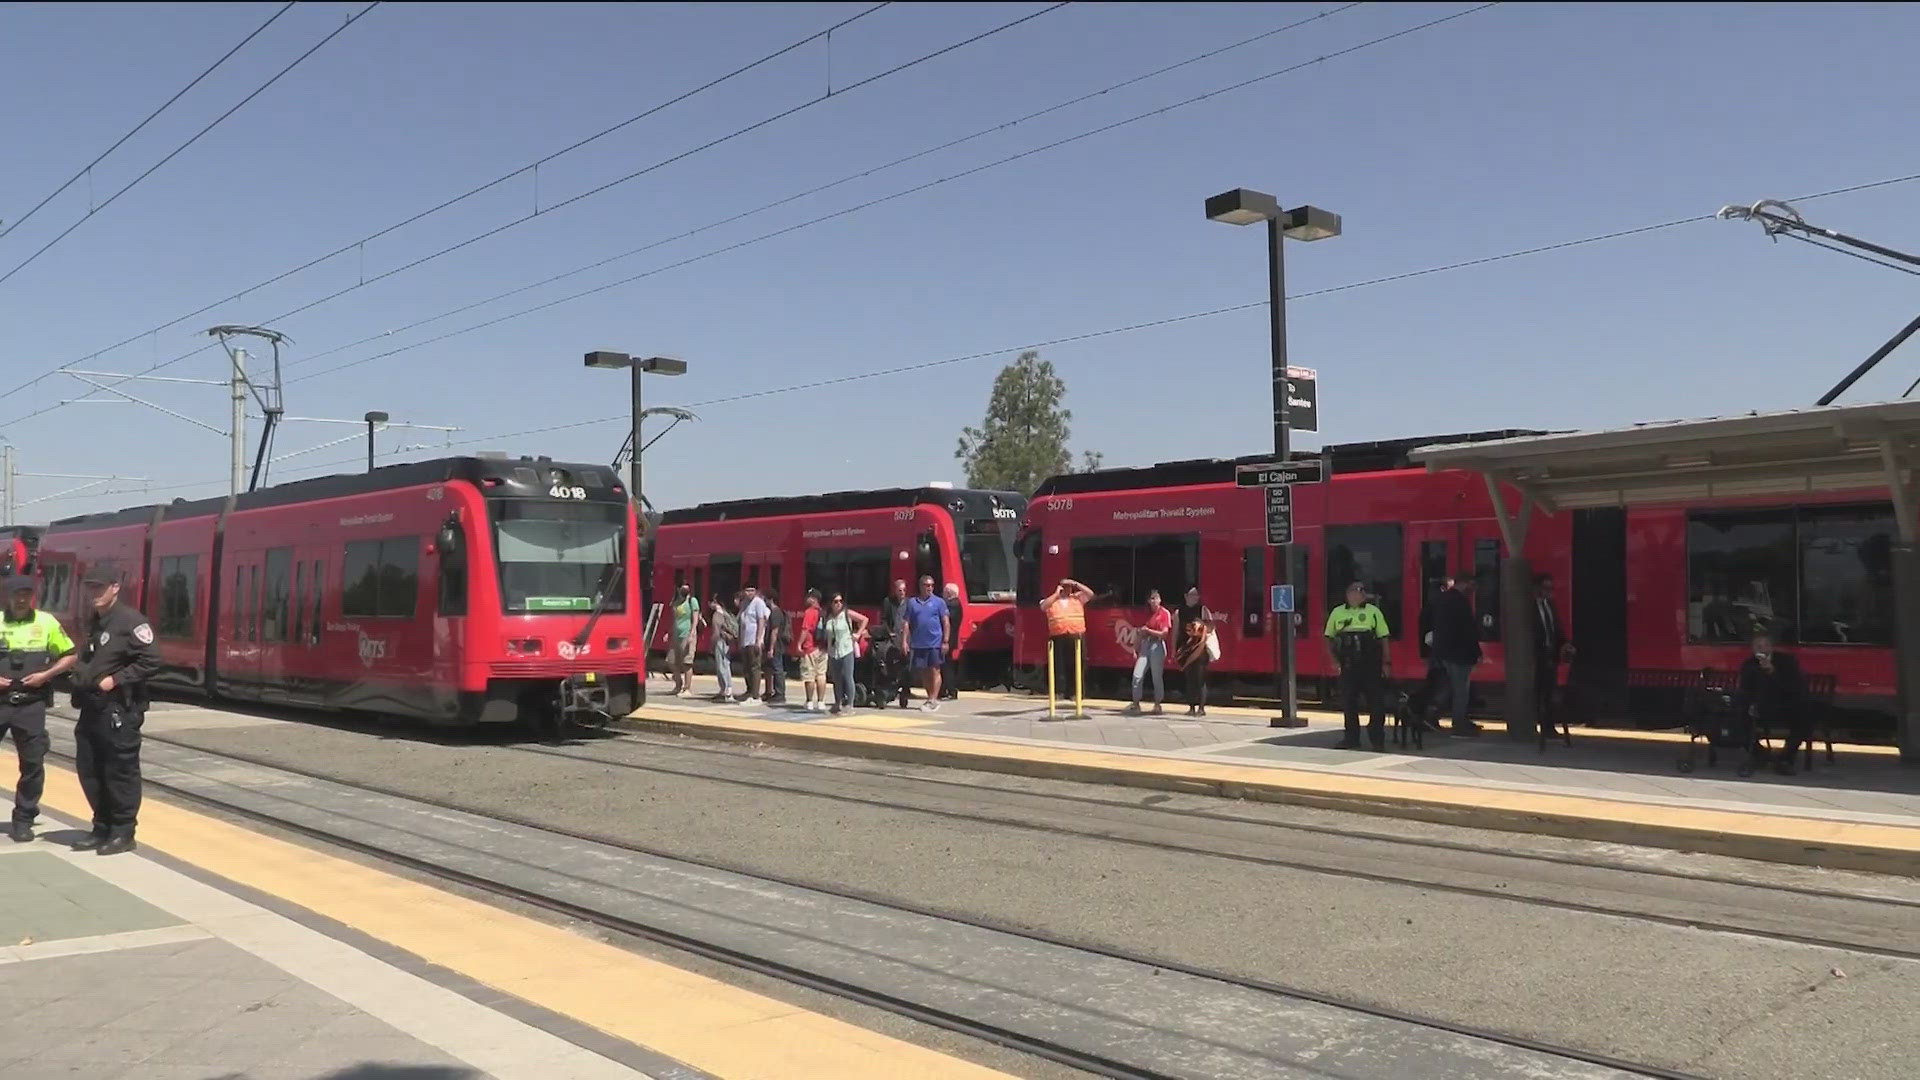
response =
{"points": [[1278, 478]]}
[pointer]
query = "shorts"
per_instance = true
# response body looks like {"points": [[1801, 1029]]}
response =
{"points": [[680, 655], [926, 658], [813, 665]]}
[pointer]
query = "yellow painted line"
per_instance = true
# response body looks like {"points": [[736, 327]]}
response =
{"points": [[893, 723], [1749, 834], [707, 1024]]}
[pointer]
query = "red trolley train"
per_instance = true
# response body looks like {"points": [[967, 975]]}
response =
{"points": [[460, 590], [1669, 588], [855, 542]]}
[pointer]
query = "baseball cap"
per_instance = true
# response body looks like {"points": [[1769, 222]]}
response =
{"points": [[17, 583]]}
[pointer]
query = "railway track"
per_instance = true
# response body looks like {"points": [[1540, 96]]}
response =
{"points": [[478, 849], [1876, 925]]}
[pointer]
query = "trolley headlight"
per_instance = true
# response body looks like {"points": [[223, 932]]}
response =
{"points": [[523, 647]]}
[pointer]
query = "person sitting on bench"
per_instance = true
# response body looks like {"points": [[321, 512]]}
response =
{"points": [[1773, 691]]}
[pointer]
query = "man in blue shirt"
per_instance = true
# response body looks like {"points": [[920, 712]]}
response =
{"points": [[927, 632]]}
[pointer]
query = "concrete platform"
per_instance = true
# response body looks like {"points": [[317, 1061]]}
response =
{"points": [[1862, 812], [123, 967], [217, 952]]}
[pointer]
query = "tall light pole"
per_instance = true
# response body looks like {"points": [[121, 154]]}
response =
{"points": [[658, 365], [372, 419], [1244, 207]]}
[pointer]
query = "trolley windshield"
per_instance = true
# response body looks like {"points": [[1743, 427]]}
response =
{"points": [[987, 558], [555, 556]]}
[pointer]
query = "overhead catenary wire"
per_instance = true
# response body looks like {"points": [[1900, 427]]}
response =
{"points": [[831, 93], [178, 150], [463, 196], [1089, 335], [819, 188], [141, 126], [901, 194]]}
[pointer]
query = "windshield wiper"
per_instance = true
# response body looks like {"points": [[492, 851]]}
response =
{"points": [[602, 592]]}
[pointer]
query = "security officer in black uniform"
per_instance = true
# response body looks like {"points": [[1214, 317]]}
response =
{"points": [[34, 649], [117, 657]]}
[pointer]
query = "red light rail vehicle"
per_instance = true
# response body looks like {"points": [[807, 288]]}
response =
{"points": [[857, 543], [462, 590], [1665, 588]]}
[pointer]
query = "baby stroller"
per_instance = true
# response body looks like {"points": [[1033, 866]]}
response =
{"points": [[1713, 717], [880, 672]]}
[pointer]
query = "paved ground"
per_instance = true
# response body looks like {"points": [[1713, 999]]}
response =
{"points": [[123, 968], [1864, 784], [1289, 903]]}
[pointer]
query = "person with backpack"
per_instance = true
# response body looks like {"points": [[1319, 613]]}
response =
{"points": [[813, 654], [1357, 644]]}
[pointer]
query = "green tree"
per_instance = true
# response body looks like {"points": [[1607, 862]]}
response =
{"points": [[1024, 438]]}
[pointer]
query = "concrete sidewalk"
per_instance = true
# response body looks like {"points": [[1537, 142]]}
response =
{"points": [[1861, 812], [123, 967]]}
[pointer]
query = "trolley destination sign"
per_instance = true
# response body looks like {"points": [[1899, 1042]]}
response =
{"points": [[1268, 474]]}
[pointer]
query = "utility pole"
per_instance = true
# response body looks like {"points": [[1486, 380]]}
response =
{"points": [[237, 478]]}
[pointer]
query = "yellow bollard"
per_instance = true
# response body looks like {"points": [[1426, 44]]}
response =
{"points": [[1079, 679], [1050, 681]]}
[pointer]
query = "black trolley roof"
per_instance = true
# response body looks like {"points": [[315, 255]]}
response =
{"points": [[524, 477], [972, 501], [1378, 456]]}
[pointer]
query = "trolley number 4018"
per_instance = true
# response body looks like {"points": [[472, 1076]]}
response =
{"points": [[561, 491]]}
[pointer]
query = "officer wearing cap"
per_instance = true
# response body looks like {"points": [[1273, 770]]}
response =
{"points": [[117, 657], [33, 650]]}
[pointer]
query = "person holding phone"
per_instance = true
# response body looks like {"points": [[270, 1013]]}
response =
{"points": [[1773, 690]]}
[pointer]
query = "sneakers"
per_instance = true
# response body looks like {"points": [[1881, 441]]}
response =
{"points": [[929, 706], [22, 832]]}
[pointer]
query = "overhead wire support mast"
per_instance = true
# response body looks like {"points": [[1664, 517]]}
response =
{"points": [[1779, 219]]}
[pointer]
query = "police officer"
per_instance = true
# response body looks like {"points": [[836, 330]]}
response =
{"points": [[117, 658], [33, 650], [1357, 643]]}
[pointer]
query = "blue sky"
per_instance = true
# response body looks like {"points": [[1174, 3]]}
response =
{"points": [[1513, 127]]}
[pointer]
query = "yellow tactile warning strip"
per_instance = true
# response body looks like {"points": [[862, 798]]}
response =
{"points": [[707, 1024], [1746, 834]]}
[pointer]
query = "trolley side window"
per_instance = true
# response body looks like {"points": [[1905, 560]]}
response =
{"points": [[279, 569], [179, 585], [1123, 569], [319, 594], [381, 578], [1371, 555], [1486, 587], [1029, 565]]}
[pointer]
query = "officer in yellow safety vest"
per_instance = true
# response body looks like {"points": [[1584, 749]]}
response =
{"points": [[33, 650], [1357, 644]]}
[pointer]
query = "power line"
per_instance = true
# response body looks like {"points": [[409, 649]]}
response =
{"points": [[137, 128], [351, 19], [532, 166], [832, 92], [1093, 334], [847, 179], [913, 190]]}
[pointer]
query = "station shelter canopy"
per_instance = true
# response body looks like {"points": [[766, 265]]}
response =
{"points": [[1776, 454]]}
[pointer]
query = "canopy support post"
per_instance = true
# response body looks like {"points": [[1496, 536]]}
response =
{"points": [[1516, 613]]}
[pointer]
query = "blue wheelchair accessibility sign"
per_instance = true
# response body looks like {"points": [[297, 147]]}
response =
{"points": [[1280, 599]]}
